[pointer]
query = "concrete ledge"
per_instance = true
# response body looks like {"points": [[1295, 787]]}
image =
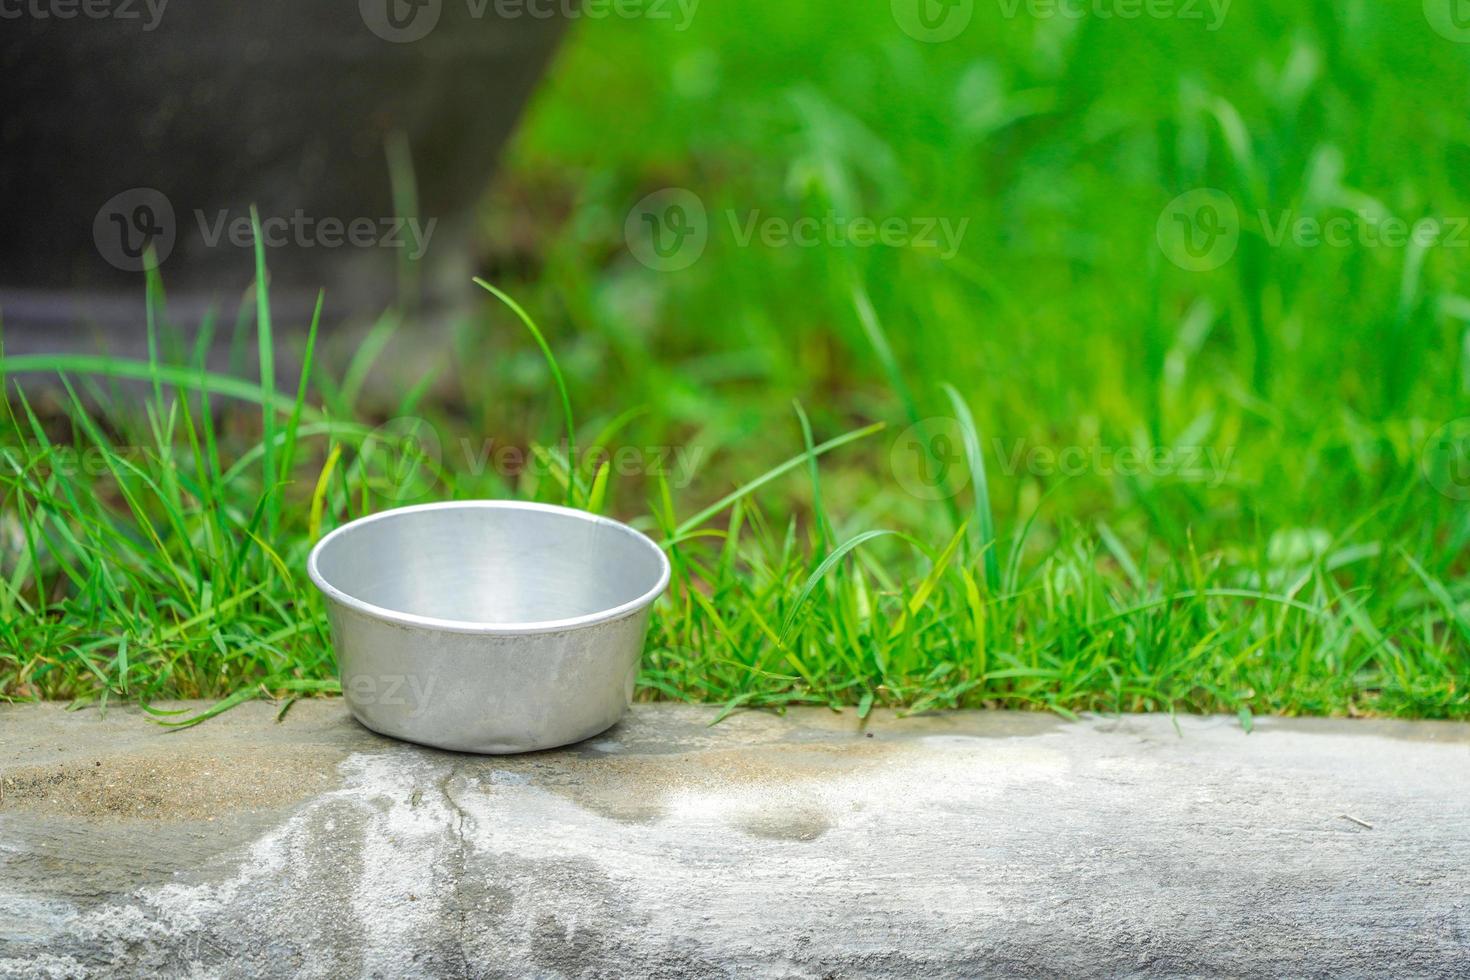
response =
{"points": [[971, 844]]}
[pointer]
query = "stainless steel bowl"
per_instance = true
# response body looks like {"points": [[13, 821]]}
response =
{"points": [[488, 626]]}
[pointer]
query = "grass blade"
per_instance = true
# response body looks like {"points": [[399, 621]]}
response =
{"points": [[561, 385], [771, 474], [984, 522], [266, 349]]}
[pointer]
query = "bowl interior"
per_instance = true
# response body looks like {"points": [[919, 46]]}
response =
{"points": [[491, 565]]}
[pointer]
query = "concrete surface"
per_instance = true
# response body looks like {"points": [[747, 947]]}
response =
{"points": [[808, 846]]}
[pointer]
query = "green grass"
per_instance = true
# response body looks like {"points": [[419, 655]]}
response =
{"points": [[1310, 568]]}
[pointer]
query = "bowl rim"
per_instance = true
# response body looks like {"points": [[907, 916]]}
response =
{"points": [[403, 618]]}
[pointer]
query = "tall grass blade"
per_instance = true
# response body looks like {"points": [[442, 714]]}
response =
{"points": [[561, 385]]}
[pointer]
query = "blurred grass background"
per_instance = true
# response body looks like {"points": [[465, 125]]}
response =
{"points": [[1319, 569]]}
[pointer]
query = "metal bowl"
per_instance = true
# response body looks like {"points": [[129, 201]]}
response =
{"points": [[488, 626]]}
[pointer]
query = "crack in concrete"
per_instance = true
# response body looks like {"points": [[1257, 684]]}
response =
{"points": [[458, 818]]}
